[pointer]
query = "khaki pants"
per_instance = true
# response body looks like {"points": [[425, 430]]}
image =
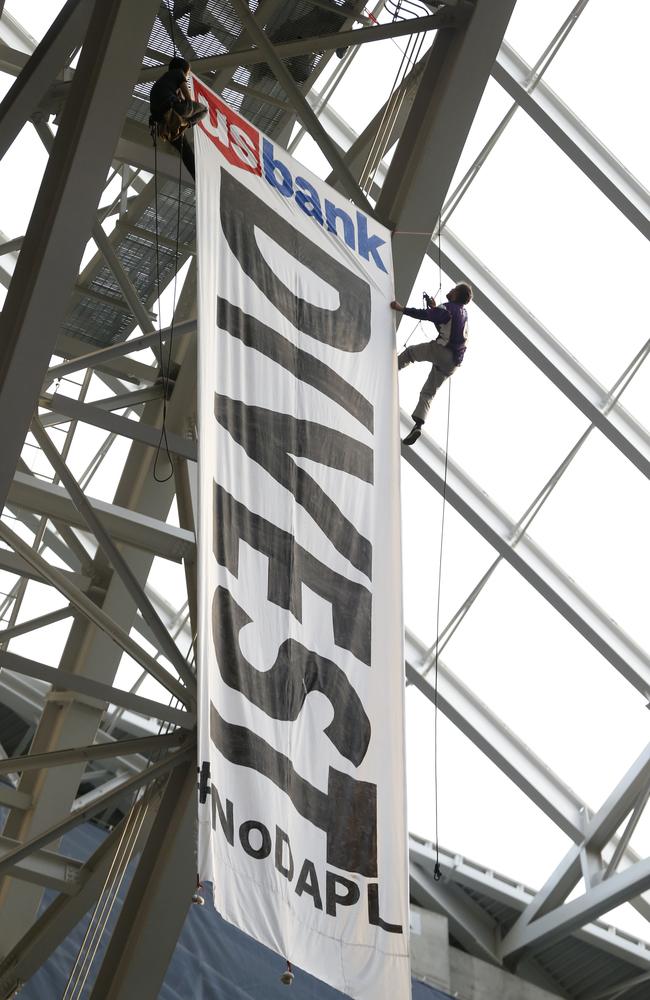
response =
{"points": [[442, 366]]}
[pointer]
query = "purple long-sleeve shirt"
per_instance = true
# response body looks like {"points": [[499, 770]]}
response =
{"points": [[451, 322]]}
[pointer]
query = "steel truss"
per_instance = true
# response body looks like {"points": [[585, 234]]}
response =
{"points": [[107, 549]]}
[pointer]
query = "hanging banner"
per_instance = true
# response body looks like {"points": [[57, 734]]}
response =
{"points": [[302, 820]]}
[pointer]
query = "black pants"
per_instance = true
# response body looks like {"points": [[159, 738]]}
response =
{"points": [[182, 144]]}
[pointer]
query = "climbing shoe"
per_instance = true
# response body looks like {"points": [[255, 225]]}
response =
{"points": [[413, 434]]}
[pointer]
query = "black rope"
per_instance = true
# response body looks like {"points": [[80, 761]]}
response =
{"points": [[172, 32], [436, 870], [439, 255], [165, 367], [424, 294]]}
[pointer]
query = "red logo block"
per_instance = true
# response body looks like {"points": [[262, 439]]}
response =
{"points": [[235, 138]]}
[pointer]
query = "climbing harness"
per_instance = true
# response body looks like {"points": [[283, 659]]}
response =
{"points": [[169, 128]]}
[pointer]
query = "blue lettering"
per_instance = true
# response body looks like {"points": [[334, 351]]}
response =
{"points": [[369, 245], [307, 198], [309, 202], [332, 213], [271, 165]]}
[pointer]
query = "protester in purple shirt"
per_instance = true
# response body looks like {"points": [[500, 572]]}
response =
{"points": [[443, 354]]}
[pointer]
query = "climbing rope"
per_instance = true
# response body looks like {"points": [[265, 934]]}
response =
{"points": [[436, 871], [425, 297], [104, 907], [392, 108], [112, 883], [172, 33], [165, 366]]}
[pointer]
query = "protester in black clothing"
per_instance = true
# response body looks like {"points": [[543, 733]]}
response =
{"points": [[173, 110]]}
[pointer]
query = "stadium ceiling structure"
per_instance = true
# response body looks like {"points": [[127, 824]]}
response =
{"points": [[78, 739]]}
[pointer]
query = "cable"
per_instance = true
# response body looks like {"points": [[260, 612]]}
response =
{"points": [[412, 8], [112, 883], [172, 32], [436, 870], [439, 256], [439, 289], [392, 108], [165, 366]]}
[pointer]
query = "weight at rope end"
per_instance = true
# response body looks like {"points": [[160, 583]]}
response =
{"points": [[287, 976]]}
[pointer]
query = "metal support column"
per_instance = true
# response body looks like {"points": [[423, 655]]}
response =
{"points": [[426, 156], [89, 653], [64, 212], [303, 109], [142, 944], [48, 58]]}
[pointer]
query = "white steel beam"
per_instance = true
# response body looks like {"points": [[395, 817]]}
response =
{"points": [[599, 830], [562, 593], [152, 773], [130, 527], [469, 924], [14, 799], [562, 921], [137, 430], [510, 754], [134, 148], [95, 614], [120, 565], [73, 720], [11, 562], [46, 868], [98, 751], [118, 401], [49, 57], [32, 624], [90, 689], [83, 359], [586, 151], [545, 352], [507, 892]]}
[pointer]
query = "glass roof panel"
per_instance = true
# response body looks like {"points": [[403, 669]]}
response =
{"points": [[549, 685], [534, 24], [596, 525], [421, 519], [614, 75], [481, 813], [547, 233]]}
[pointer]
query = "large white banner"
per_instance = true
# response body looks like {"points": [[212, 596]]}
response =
{"points": [[302, 826]]}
